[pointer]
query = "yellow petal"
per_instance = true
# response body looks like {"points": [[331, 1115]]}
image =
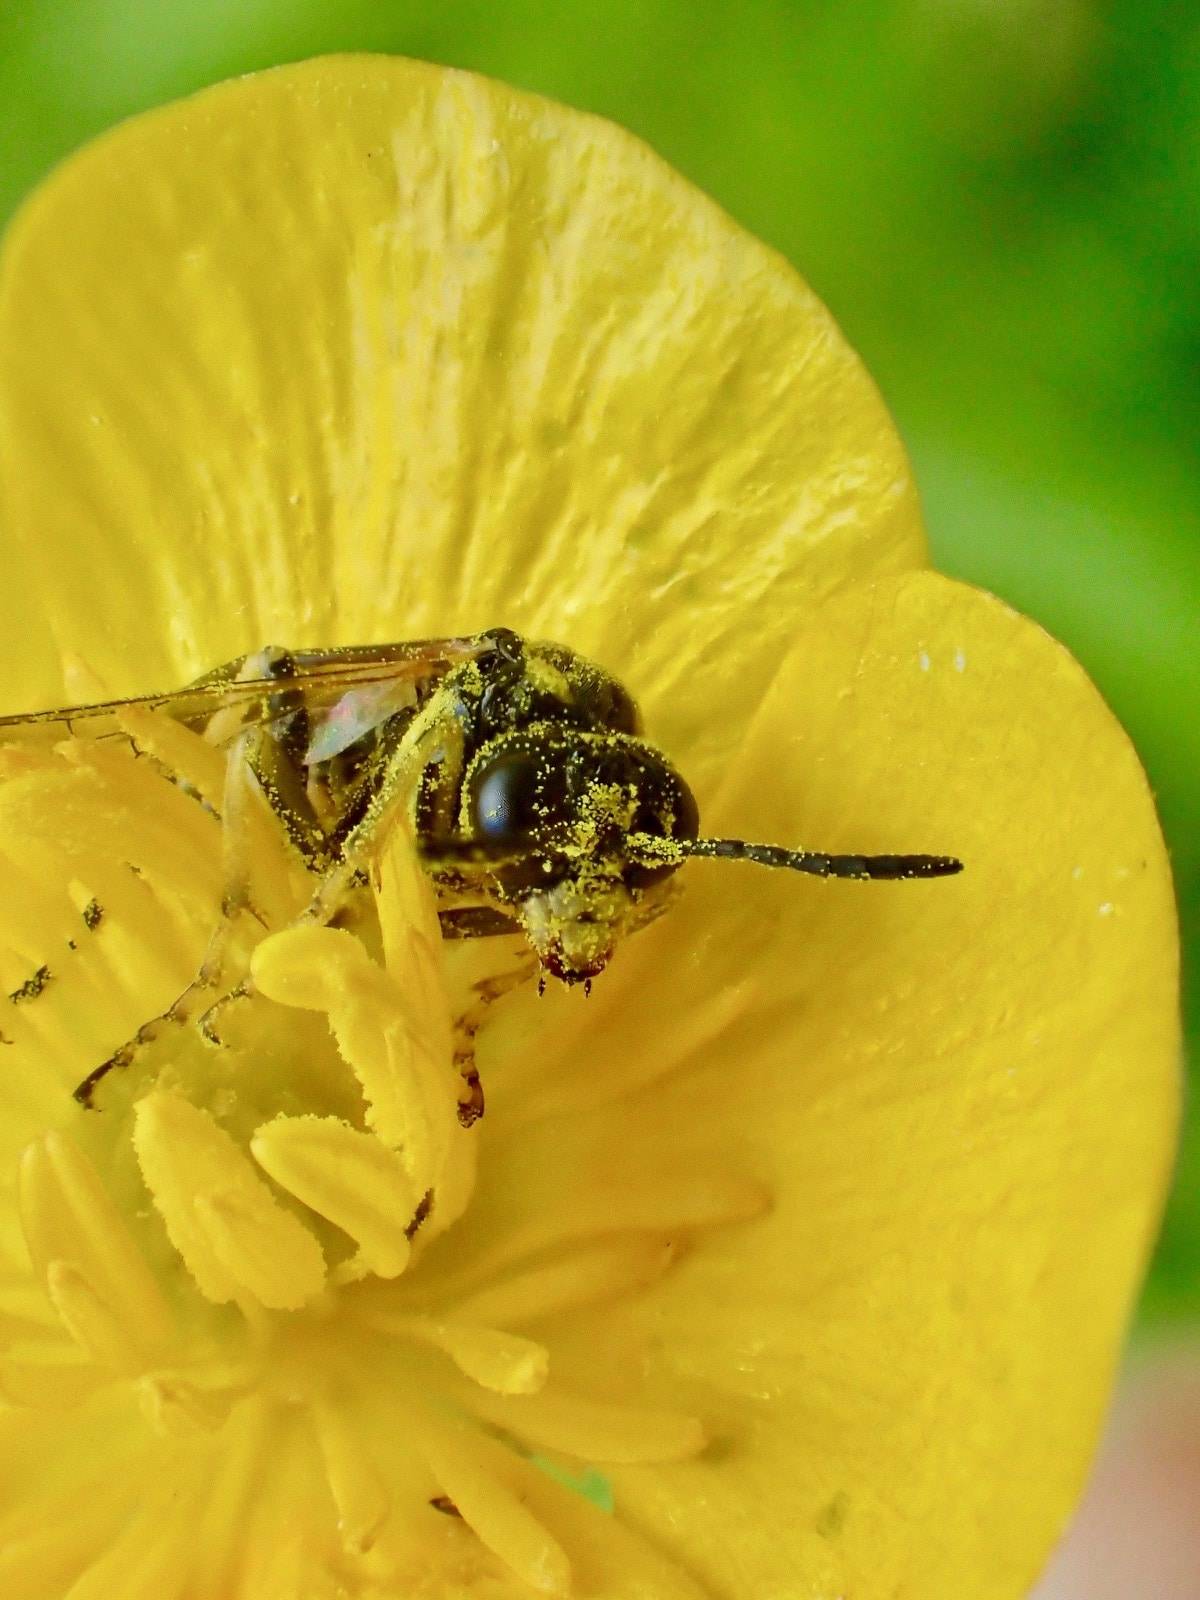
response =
{"points": [[962, 1094], [364, 349]]}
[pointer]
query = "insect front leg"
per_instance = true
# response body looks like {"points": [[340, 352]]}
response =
{"points": [[256, 762], [250, 766], [423, 770], [487, 991]]}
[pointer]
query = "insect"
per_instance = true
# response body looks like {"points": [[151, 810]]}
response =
{"points": [[536, 804]]}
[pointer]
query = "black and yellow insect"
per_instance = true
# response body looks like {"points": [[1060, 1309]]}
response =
{"points": [[535, 803]]}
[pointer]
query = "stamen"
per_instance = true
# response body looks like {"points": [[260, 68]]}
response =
{"points": [[89, 1320], [236, 1241], [277, 1547], [32, 923], [412, 1093], [253, 1245], [147, 1560], [593, 1430], [47, 1385], [233, 1479], [589, 1274], [38, 1323], [358, 1490], [408, 918], [45, 1558], [352, 1178], [177, 1407], [190, 760], [81, 680], [475, 1474], [647, 1203], [145, 931], [572, 1091], [130, 801], [228, 1211], [503, 1362], [74, 1230], [186, 755]]}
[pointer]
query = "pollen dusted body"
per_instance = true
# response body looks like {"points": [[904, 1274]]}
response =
{"points": [[536, 806]]}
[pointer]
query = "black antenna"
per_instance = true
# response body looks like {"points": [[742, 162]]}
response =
{"points": [[820, 865]]}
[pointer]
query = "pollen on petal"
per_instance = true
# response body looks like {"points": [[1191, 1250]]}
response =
{"points": [[234, 1237]]}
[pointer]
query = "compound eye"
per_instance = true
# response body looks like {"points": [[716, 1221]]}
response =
{"points": [[621, 713], [513, 796], [668, 810], [609, 704]]}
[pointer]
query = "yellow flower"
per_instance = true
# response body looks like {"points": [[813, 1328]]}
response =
{"points": [[814, 1231]]}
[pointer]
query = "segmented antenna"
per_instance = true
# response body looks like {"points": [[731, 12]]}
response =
{"points": [[821, 865]]}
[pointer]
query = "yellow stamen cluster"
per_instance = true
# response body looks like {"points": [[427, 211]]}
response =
{"points": [[223, 1256]]}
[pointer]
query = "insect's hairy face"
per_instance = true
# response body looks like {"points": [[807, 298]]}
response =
{"points": [[567, 818]]}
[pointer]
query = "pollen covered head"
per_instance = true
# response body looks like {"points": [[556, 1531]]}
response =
{"points": [[578, 829]]}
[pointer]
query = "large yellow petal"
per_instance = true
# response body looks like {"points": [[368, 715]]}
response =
{"points": [[366, 349], [961, 1094]]}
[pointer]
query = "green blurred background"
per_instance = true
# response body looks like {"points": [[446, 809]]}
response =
{"points": [[999, 200]]}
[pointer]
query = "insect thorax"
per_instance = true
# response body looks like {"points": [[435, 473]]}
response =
{"points": [[427, 745]]}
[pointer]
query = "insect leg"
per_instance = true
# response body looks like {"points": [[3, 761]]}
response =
{"points": [[476, 922], [248, 771], [466, 1027], [342, 857], [423, 768], [268, 758]]}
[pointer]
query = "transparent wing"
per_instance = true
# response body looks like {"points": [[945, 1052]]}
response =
{"points": [[322, 676]]}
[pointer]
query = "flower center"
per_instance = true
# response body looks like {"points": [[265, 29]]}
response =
{"points": [[270, 1236]]}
